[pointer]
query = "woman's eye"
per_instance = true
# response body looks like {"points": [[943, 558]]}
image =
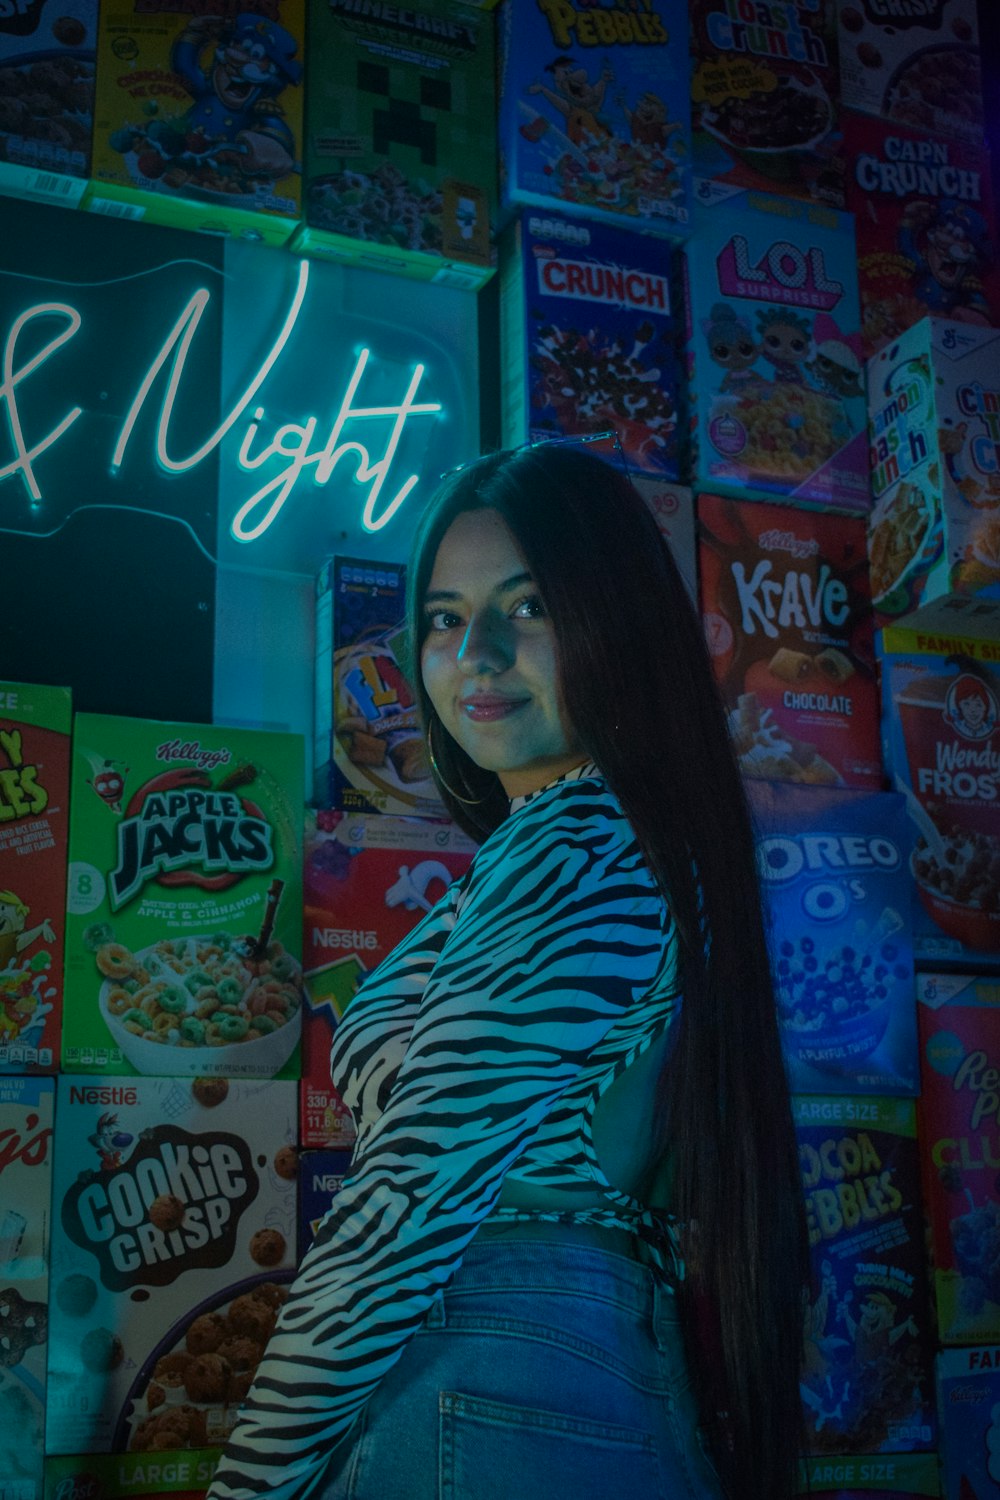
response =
{"points": [[531, 608], [442, 619]]}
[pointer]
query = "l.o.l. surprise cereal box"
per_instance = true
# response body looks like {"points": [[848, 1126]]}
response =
{"points": [[968, 1384], [595, 110], [184, 927], [775, 339], [46, 98], [784, 595], [885, 1476], [34, 835], [959, 1017], [172, 1247], [591, 332]]}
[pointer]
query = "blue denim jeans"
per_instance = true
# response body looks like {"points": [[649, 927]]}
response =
{"points": [[546, 1370]]}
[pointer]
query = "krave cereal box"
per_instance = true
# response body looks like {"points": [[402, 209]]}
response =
{"points": [[889, 1476], [968, 1382], [185, 900], [46, 98]]}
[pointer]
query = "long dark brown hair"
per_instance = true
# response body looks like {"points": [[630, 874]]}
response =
{"points": [[639, 691]]}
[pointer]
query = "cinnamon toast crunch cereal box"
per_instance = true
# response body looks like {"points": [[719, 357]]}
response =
{"points": [[885, 1476], [34, 841], [968, 1382], [595, 110], [47, 98], [172, 1248], [185, 900]]}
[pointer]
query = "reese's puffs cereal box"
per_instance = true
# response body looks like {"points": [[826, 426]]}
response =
{"points": [[34, 832], [174, 1239], [185, 900]]}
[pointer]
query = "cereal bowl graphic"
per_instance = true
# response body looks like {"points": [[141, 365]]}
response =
{"points": [[771, 127], [904, 543], [974, 922]]}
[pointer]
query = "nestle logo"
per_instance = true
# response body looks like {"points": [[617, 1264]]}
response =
{"points": [[102, 1094]]}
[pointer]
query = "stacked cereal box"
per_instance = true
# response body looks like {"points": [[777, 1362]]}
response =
{"points": [[46, 98], [969, 1405], [34, 833], [185, 900], [400, 174]]}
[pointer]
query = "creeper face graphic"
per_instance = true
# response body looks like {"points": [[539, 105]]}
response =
{"points": [[403, 122]]}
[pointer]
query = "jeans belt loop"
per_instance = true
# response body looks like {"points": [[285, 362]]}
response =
{"points": [[435, 1316]]}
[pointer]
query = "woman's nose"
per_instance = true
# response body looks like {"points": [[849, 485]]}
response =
{"points": [[486, 645]]}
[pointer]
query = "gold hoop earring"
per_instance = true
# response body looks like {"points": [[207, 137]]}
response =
{"points": [[468, 801]]}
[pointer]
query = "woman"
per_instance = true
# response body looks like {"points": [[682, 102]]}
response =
{"points": [[556, 1150]]}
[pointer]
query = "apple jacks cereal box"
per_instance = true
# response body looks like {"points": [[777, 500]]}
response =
{"points": [[199, 115], [172, 1246], [595, 109], [867, 1384], [591, 330], [784, 593], [46, 98], [887, 1476], [34, 834], [25, 1195], [774, 328], [968, 1382], [400, 167], [836, 881], [185, 900]]}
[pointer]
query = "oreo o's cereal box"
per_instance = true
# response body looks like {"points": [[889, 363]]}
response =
{"points": [[185, 900], [172, 1250], [784, 594], [888, 1476], [595, 110], [833, 869], [46, 98], [775, 338], [968, 1382]]}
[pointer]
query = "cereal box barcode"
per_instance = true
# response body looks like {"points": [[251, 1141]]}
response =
{"points": [[50, 182], [115, 210]]}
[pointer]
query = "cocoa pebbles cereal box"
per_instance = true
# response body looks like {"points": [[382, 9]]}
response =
{"points": [[185, 900], [834, 872], [47, 98], [774, 330], [867, 1382], [34, 841], [968, 1382], [173, 1243], [959, 1018], [591, 331], [784, 595], [131, 1476], [595, 110], [884, 1476], [26, 1109]]}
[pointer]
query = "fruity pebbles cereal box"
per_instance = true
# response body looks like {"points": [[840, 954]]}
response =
{"points": [[591, 332], [595, 110], [185, 900], [46, 98], [131, 1476], [934, 437], [775, 337], [924, 215], [833, 869], [400, 173], [969, 1407], [887, 1476], [199, 115], [171, 1252], [34, 838], [867, 1384], [26, 1108], [959, 1018], [765, 97], [784, 595]]}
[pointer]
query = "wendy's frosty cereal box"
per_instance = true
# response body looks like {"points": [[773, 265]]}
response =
{"points": [[834, 872], [885, 1476], [591, 332], [185, 900], [172, 1246], [784, 595], [34, 833], [595, 110], [775, 340], [46, 98], [968, 1383]]}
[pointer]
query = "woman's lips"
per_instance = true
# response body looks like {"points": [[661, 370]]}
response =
{"points": [[486, 709]]}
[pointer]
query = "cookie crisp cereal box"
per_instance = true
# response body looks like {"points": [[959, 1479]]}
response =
{"points": [[888, 1476], [34, 833], [595, 110], [969, 1405], [46, 98], [400, 173], [174, 1236], [131, 1476], [775, 339], [834, 872], [25, 1194], [185, 900], [591, 330], [959, 1019], [198, 120], [934, 439]]}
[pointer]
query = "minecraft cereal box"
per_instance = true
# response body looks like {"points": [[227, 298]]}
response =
{"points": [[198, 120], [775, 339], [185, 900], [887, 1476], [968, 1382], [595, 110], [34, 834], [960, 1137], [400, 172], [172, 1247], [46, 98]]}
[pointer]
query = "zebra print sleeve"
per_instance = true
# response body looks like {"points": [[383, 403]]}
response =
{"points": [[559, 929]]}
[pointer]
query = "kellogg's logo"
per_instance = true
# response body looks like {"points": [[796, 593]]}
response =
{"points": [[970, 708], [29, 1149]]}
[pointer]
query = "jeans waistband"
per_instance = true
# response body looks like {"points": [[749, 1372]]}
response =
{"points": [[550, 1265]]}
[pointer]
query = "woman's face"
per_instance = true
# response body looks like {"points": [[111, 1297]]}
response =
{"points": [[489, 658]]}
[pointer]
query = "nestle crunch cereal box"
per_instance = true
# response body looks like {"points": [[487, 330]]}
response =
{"points": [[968, 1382], [321, 1174], [46, 98]]}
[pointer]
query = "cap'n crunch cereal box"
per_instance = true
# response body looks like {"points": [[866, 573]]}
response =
{"points": [[46, 98]]}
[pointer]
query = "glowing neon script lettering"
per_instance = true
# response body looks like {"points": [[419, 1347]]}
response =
{"points": [[23, 463]]}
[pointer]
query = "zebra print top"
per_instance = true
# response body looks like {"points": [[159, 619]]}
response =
{"points": [[474, 1053]]}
